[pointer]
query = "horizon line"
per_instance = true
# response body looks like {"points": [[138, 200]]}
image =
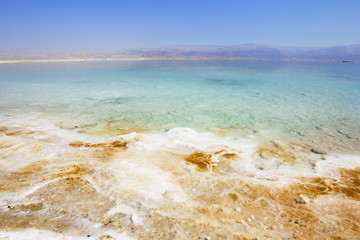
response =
{"points": [[177, 45]]}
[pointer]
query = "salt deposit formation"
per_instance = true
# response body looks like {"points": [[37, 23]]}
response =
{"points": [[178, 184]]}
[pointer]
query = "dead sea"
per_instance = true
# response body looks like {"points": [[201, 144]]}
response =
{"points": [[169, 150]]}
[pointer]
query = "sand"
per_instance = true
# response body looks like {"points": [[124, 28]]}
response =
{"points": [[103, 59]]}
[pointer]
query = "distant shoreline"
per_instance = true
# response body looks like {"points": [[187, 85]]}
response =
{"points": [[159, 58], [103, 59]]}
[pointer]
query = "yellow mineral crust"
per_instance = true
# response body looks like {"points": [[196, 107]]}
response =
{"points": [[105, 189]]}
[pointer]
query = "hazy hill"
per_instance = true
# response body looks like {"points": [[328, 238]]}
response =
{"points": [[243, 51]]}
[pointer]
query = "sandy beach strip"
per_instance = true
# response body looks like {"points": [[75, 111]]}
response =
{"points": [[102, 59]]}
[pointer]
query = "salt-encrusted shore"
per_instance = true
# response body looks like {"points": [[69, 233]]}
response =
{"points": [[160, 58], [104, 59], [180, 184]]}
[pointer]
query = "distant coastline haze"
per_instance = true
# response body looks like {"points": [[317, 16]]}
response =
{"points": [[350, 53]]}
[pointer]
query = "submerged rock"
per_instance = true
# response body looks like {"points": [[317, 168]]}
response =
{"points": [[318, 151]]}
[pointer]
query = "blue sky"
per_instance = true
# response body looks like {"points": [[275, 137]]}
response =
{"points": [[104, 24]]}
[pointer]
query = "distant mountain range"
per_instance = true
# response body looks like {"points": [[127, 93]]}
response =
{"points": [[241, 52]]}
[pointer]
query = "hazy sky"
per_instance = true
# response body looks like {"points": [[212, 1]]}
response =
{"points": [[103, 24]]}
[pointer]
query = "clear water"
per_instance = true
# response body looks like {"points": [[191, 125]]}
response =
{"points": [[76, 181], [289, 97]]}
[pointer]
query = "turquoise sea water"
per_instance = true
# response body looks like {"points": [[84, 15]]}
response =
{"points": [[290, 97]]}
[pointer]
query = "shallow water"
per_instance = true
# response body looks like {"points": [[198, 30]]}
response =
{"points": [[158, 95], [179, 150]]}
